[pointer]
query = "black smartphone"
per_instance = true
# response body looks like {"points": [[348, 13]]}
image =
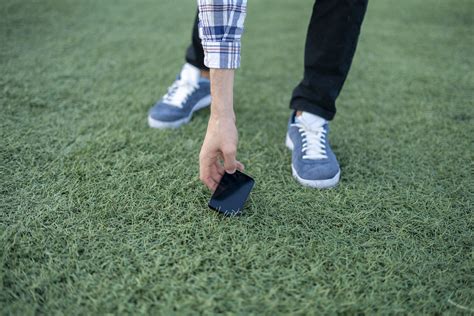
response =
{"points": [[231, 193]]}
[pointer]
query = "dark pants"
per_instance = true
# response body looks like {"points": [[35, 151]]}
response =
{"points": [[330, 46]]}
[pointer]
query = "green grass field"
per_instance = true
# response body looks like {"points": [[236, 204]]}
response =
{"points": [[101, 214]]}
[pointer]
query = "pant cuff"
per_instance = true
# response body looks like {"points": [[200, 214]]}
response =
{"points": [[305, 106], [197, 64]]}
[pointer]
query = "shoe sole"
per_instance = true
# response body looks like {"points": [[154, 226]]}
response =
{"points": [[319, 184], [153, 123]]}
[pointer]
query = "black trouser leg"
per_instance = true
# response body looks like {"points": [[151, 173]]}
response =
{"points": [[330, 46], [195, 53]]}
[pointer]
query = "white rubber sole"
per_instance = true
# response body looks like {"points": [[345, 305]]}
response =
{"points": [[204, 102], [318, 184]]}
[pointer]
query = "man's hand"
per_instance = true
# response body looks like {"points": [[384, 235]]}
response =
{"points": [[219, 145], [221, 139]]}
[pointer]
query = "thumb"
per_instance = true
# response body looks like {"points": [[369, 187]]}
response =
{"points": [[230, 164], [240, 166]]}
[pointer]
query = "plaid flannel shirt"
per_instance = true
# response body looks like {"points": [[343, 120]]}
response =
{"points": [[221, 23]]}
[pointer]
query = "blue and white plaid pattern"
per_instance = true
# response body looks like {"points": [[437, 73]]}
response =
{"points": [[221, 23]]}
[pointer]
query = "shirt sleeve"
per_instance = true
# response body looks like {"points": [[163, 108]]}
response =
{"points": [[221, 24]]}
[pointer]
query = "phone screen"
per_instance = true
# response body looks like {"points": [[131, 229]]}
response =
{"points": [[231, 193]]}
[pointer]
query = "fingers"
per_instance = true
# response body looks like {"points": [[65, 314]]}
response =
{"points": [[217, 172], [237, 166], [206, 165], [230, 163], [240, 166], [220, 170], [211, 184], [208, 177], [210, 171]]}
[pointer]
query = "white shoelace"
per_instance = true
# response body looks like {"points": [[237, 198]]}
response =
{"points": [[179, 92], [313, 141]]}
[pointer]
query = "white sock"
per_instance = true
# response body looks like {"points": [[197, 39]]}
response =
{"points": [[312, 121]]}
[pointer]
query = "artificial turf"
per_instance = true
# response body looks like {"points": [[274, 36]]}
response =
{"points": [[101, 214]]}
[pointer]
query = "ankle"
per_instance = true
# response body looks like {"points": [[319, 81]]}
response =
{"points": [[205, 74], [300, 113]]}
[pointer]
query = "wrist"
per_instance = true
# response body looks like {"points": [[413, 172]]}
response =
{"points": [[222, 116]]}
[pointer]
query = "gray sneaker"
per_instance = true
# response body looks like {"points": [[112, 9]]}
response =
{"points": [[189, 93], [313, 162]]}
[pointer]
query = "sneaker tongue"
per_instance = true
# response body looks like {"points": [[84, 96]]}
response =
{"points": [[311, 121], [189, 73]]}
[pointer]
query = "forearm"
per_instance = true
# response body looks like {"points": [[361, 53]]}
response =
{"points": [[220, 143], [220, 29], [222, 83]]}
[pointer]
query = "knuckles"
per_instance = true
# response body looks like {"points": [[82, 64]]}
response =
{"points": [[229, 151]]}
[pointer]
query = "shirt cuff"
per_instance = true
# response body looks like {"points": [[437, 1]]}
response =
{"points": [[221, 55]]}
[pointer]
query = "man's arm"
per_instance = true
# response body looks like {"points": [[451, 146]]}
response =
{"points": [[220, 28]]}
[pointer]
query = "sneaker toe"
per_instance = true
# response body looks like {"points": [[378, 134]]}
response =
{"points": [[165, 112], [320, 170]]}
